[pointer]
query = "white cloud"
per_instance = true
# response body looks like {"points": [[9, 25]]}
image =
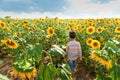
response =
{"points": [[86, 8], [74, 9], [33, 15]]}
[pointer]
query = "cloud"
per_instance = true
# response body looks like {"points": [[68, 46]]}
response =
{"points": [[35, 15], [88, 8], [32, 5], [60, 8]]}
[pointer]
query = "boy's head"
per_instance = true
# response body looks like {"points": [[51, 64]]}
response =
{"points": [[72, 34]]}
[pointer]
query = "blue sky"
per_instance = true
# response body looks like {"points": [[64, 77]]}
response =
{"points": [[60, 8]]}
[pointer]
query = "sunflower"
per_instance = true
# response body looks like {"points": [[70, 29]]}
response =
{"points": [[11, 44], [116, 37], [117, 29], [2, 24], [99, 30], [83, 27], [105, 27], [8, 29], [74, 28], [90, 30], [89, 41], [110, 31], [79, 29], [95, 44], [3, 41], [50, 31], [68, 29], [107, 64], [25, 75], [101, 38]]}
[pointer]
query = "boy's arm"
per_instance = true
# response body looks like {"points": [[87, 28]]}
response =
{"points": [[80, 52], [67, 49]]}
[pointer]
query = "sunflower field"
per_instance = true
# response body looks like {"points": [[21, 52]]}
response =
{"points": [[36, 47]]}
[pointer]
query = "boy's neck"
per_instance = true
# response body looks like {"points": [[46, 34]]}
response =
{"points": [[73, 39]]}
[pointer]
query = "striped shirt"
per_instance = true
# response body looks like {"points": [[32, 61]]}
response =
{"points": [[73, 50]]}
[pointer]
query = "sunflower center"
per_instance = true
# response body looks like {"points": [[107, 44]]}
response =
{"points": [[95, 44], [99, 30], [51, 31], [118, 29], [10, 43], [2, 24], [89, 41], [82, 26], [90, 30], [68, 28]]}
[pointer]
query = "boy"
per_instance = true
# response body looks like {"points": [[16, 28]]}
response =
{"points": [[73, 50]]}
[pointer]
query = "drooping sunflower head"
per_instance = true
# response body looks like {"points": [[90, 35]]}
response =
{"points": [[2, 24], [95, 44], [117, 30], [90, 30], [50, 31], [89, 41], [11, 44]]}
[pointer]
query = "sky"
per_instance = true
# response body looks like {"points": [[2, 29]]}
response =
{"points": [[60, 8]]}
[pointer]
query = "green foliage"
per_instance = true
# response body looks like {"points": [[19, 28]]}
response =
{"points": [[57, 51], [35, 52], [47, 72], [24, 65], [110, 51]]}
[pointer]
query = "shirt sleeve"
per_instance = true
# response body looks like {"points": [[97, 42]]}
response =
{"points": [[79, 50], [67, 48]]}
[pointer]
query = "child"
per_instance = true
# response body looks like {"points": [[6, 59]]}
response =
{"points": [[73, 50]]}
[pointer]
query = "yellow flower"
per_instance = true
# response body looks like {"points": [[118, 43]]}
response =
{"points": [[105, 27], [25, 75], [90, 30], [101, 38], [34, 72], [95, 44], [79, 29], [50, 31], [11, 44], [74, 28], [15, 72], [68, 29], [117, 29], [3, 41], [93, 55], [99, 30], [9, 30], [89, 41], [2, 24], [110, 31], [29, 75], [109, 64], [116, 37], [22, 75]]}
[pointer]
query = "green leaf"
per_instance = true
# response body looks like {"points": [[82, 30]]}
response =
{"points": [[111, 46], [2, 77], [56, 51]]}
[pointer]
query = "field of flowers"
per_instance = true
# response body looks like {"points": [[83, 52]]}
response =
{"points": [[38, 46]]}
